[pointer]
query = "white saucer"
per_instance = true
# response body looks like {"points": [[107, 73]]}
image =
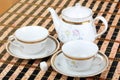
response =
{"points": [[58, 63], [51, 47]]}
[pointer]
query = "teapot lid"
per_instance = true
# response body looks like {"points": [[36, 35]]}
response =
{"points": [[76, 13]]}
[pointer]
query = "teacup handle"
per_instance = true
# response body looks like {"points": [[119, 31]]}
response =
{"points": [[104, 22], [12, 40], [97, 59]]}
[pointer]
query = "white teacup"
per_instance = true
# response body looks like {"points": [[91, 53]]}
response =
{"points": [[80, 54], [29, 39]]}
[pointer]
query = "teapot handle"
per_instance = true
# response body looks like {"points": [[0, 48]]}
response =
{"points": [[104, 22]]}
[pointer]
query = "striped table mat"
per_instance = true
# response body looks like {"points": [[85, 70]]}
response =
{"points": [[34, 12]]}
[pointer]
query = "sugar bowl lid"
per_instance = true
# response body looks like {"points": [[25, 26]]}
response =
{"points": [[76, 13]]}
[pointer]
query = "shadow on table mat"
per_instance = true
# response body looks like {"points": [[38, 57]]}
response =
{"points": [[32, 13]]}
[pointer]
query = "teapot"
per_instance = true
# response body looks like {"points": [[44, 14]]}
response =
{"points": [[76, 23]]}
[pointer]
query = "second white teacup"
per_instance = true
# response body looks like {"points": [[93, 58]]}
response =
{"points": [[80, 54], [29, 39]]}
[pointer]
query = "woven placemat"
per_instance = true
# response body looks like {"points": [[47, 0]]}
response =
{"points": [[34, 12]]}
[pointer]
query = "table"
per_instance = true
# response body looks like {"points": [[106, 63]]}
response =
{"points": [[34, 12]]}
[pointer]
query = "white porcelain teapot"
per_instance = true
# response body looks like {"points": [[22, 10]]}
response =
{"points": [[76, 23]]}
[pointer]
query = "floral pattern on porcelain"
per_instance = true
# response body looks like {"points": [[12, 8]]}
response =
{"points": [[72, 64], [69, 34]]}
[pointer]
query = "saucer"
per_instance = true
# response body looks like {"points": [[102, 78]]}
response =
{"points": [[58, 63], [51, 47]]}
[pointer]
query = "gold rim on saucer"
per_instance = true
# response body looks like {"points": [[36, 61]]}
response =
{"points": [[32, 56], [62, 70]]}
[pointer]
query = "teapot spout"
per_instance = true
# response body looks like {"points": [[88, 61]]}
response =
{"points": [[55, 17]]}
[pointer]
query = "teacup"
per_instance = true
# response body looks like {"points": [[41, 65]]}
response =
{"points": [[29, 39], [80, 55]]}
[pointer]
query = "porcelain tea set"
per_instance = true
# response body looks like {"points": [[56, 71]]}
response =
{"points": [[79, 55]]}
